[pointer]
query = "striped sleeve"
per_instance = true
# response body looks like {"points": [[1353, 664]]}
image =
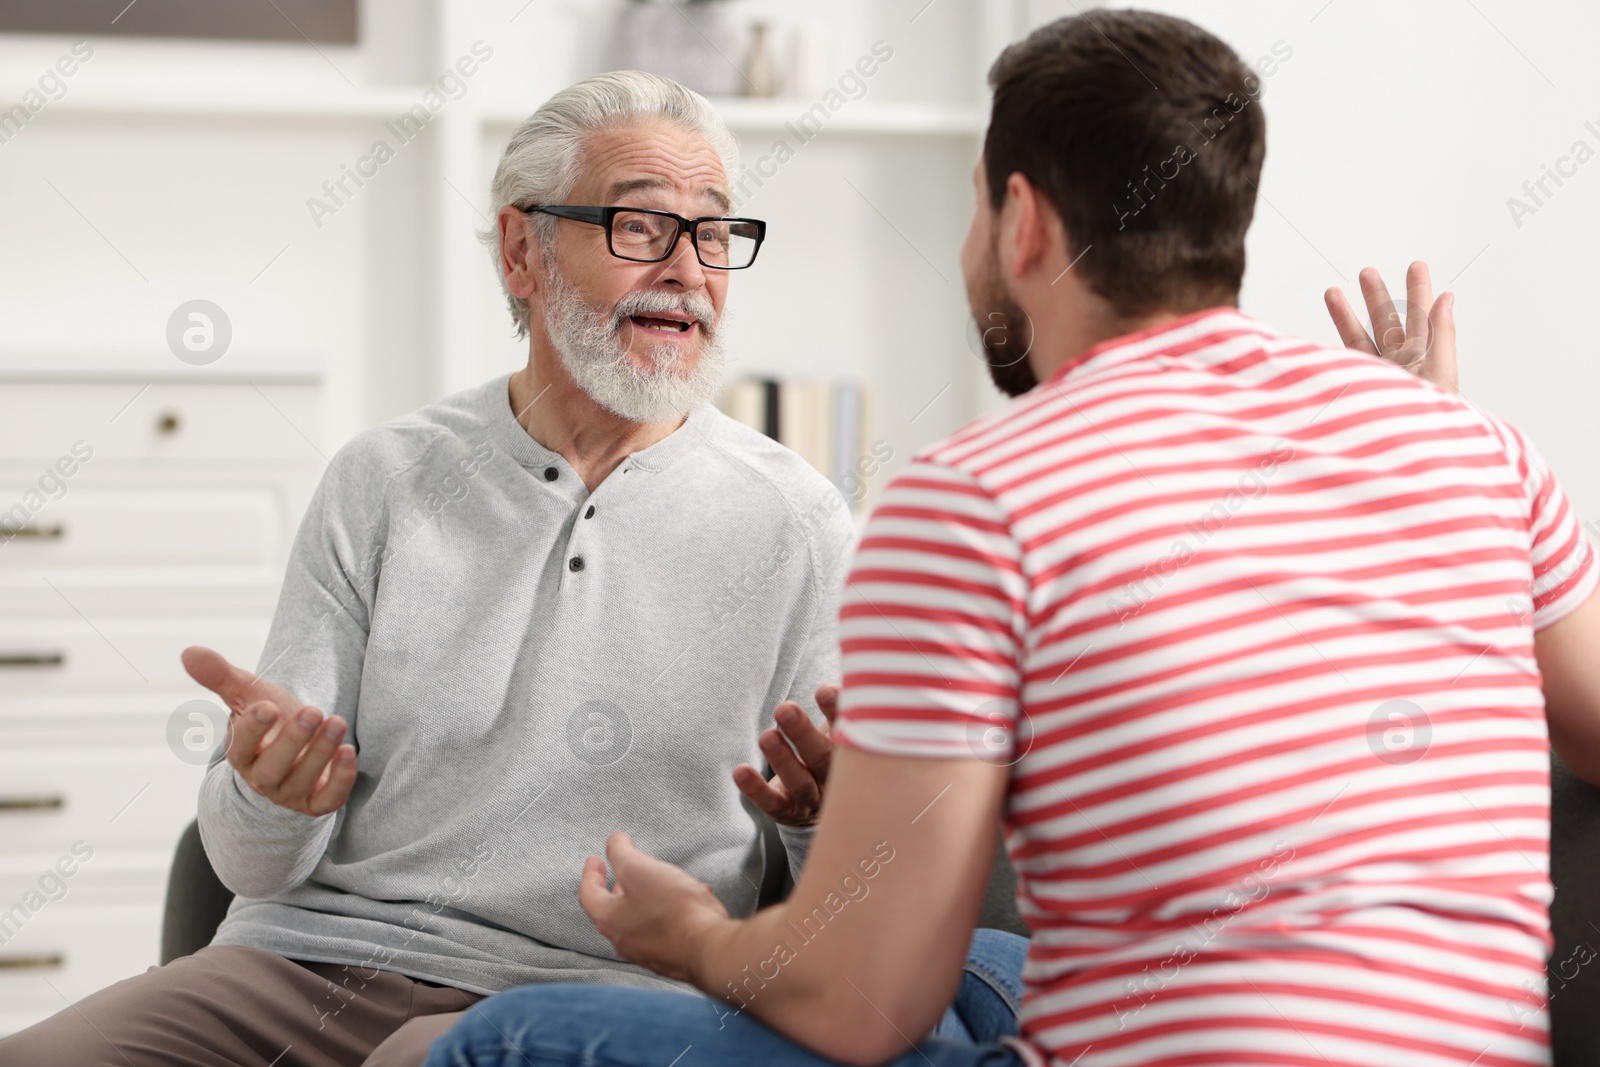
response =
{"points": [[1564, 569], [931, 623]]}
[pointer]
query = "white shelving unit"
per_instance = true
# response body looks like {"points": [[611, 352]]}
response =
{"points": [[742, 114], [163, 501], [393, 292], [239, 101], [173, 171], [746, 116]]}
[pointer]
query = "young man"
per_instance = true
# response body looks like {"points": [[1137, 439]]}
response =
{"points": [[1243, 637]]}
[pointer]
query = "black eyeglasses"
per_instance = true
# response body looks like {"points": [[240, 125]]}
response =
{"points": [[645, 236]]}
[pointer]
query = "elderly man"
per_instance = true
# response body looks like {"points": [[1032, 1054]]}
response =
{"points": [[505, 629]]}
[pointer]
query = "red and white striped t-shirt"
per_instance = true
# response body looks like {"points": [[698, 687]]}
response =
{"points": [[1252, 620]]}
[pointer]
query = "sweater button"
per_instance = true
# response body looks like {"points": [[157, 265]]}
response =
{"points": [[590, 513], [551, 474], [575, 563]]}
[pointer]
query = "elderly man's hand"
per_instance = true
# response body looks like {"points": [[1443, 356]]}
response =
{"points": [[1423, 343], [288, 752], [657, 916], [794, 796]]}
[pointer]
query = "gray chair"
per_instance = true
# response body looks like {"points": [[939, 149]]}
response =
{"points": [[196, 899]]}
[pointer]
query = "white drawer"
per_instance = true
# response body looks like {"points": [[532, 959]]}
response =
{"points": [[122, 798], [93, 524], [171, 590], [71, 654], [128, 420], [130, 721], [106, 927]]}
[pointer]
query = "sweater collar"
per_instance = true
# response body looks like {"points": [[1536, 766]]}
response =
{"points": [[507, 431]]}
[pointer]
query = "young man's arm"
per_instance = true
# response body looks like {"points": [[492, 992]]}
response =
{"points": [[1569, 659], [861, 960], [1564, 610]]}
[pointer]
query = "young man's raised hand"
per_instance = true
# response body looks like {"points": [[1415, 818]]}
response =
{"points": [[1423, 340]]}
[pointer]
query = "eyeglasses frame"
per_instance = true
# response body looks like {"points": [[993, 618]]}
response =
{"points": [[603, 216]]}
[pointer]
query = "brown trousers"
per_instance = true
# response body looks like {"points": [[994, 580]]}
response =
{"points": [[231, 1006]]}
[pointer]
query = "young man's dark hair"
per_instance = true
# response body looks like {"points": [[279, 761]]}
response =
{"points": [[1146, 134]]}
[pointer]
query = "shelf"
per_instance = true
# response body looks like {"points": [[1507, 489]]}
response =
{"points": [[268, 101], [144, 365], [758, 116], [271, 101]]}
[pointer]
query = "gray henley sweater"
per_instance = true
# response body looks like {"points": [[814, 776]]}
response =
{"points": [[525, 667]]}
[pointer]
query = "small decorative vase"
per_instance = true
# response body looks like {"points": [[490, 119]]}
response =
{"points": [[760, 68], [692, 42]]}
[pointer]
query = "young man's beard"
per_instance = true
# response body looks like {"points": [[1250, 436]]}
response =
{"points": [[591, 346], [1006, 334]]}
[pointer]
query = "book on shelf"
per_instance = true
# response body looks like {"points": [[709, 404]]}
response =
{"points": [[825, 422]]}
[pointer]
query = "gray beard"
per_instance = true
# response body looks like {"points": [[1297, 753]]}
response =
{"points": [[591, 348]]}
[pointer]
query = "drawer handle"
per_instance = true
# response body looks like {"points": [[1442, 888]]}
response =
{"points": [[168, 423], [43, 962], [40, 533], [32, 803], [32, 659]]}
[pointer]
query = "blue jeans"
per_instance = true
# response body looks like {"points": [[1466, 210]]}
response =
{"points": [[608, 1026]]}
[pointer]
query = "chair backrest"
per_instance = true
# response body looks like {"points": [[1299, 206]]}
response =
{"points": [[196, 899], [1574, 969], [1000, 899]]}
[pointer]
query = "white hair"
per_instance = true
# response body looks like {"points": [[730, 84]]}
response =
{"points": [[541, 162]]}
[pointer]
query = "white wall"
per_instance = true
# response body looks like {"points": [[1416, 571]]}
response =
{"points": [[1398, 131], [115, 212]]}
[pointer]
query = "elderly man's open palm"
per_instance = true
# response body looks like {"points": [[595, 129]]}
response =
{"points": [[288, 752]]}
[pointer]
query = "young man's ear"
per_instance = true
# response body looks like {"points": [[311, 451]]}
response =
{"points": [[1027, 224], [1032, 235]]}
